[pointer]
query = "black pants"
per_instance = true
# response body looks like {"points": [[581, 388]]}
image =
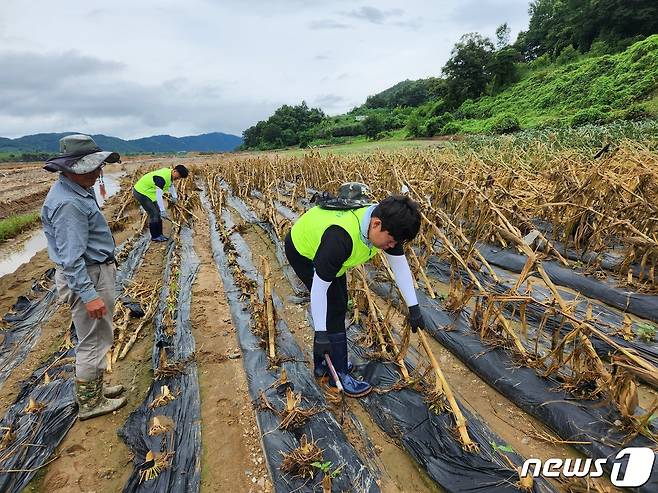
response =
{"points": [[152, 209], [336, 294]]}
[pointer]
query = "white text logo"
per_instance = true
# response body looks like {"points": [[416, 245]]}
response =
{"points": [[638, 467]]}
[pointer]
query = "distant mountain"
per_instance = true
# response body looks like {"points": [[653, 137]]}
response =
{"points": [[212, 142]]}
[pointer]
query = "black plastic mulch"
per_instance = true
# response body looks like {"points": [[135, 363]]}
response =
{"points": [[355, 475], [572, 419], [184, 471], [604, 318], [430, 438], [23, 323], [642, 305]]}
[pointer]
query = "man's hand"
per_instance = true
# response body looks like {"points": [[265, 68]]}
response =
{"points": [[416, 320], [164, 214], [173, 200], [96, 309]]}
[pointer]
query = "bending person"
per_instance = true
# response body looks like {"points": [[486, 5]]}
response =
{"points": [[323, 244], [149, 190]]}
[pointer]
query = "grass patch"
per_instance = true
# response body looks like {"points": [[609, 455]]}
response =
{"points": [[13, 225], [360, 146]]}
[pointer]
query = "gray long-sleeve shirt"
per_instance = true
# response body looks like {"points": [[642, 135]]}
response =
{"points": [[77, 232]]}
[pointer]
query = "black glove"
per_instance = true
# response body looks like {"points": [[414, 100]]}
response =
{"points": [[321, 343], [416, 320]]}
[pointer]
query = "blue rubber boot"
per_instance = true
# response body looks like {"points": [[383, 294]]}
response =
{"points": [[351, 386]]}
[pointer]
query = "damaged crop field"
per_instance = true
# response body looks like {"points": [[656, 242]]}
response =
{"points": [[537, 273]]}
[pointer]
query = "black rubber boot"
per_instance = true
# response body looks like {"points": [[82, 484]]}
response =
{"points": [[351, 386], [156, 231], [155, 227], [321, 345]]}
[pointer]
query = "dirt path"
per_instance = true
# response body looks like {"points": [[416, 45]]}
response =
{"points": [[232, 458]]}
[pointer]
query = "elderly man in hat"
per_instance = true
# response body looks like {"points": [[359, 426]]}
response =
{"points": [[81, 245], [331, 238]]}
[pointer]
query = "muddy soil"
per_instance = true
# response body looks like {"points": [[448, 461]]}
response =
{"points": [[22, 189]]}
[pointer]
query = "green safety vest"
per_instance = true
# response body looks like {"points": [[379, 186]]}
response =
{"points": [[307, 233], [145, 184]]}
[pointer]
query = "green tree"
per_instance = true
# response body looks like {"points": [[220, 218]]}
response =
{"points": [[413, 125], [373, 125], [283, 128], [556, 24], [272, 133], [468, 71], [502, 36], [503, 68]]}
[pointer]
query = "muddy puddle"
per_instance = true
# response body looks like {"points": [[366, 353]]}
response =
{"points": [[20, 250]]}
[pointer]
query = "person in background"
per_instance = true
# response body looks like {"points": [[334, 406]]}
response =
{"points": [[81, 245], [149, 190], [324, 243]]}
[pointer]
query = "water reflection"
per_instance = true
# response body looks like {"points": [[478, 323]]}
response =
{"points": [[13, 256]]}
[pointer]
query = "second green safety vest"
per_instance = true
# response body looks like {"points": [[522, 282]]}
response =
{"points": [[146, 186], [307, 233]]}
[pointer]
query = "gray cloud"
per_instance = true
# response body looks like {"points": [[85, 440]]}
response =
{"points": [[414, 24], [374, 15], [330, 100], [321, 57], [32, 71], [480, 15], [86, 93], [327, 24]]}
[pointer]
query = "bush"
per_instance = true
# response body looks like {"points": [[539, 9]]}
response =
{"points": [[567, 55], [349, 130], [590, 115], [450, 128], [636, 112], [437, 108], [599, 48], [540, 62], [506, 124], [373, 125], [474, 109], [413, 126], [434, 126]]}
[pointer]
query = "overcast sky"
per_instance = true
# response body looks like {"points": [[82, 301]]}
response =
{"points": [[135, 68]]}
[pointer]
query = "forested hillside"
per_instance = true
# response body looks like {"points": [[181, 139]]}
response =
{"points": [[585, 62]]}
